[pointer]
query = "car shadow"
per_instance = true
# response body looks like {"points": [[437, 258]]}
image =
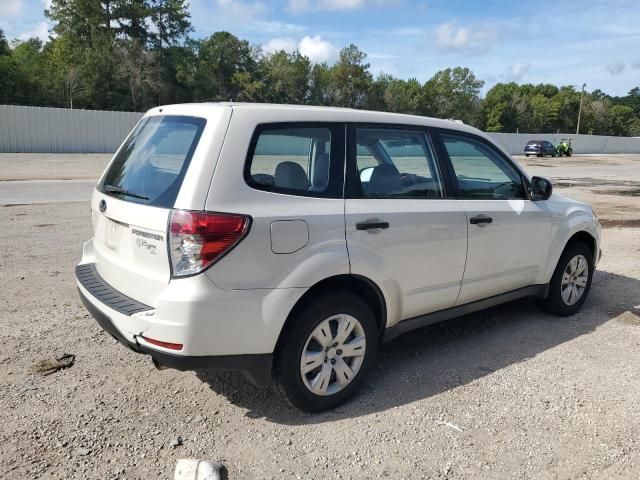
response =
{"points": [[440, 357]]}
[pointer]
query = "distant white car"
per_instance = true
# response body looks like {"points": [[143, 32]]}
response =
{"points": [[289, 241]]}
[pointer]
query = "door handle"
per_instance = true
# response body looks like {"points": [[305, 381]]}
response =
{"points": [[480, 219], [371, 224]]}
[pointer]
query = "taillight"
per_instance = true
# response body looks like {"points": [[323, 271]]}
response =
{"points": [[198, 239]]}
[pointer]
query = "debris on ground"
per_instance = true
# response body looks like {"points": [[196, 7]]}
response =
{"points": [[196, 469], [52, 365], [28, 386], [451, 425], [175, 442]]}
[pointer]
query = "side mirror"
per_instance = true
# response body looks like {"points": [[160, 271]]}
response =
{"points": [[541, 188]]}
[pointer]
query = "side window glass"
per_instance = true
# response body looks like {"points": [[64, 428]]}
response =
{"points": [[292, 160], [396, 163], [481, 172]]}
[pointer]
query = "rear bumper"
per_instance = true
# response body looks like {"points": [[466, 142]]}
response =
{"points": [[255, 367]]}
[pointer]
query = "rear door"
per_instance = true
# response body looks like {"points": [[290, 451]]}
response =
{"points": [[401, 230], [132, 202], [509, 235]]}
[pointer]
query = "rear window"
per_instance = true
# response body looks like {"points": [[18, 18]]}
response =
{"points": [[150, 166], [533, 143]]}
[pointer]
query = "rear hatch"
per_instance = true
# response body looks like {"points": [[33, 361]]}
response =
{"points": [[133, 201]]}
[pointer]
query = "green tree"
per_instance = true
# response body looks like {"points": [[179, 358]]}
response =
{"points": [[377, 89], [454, 93], [219, 58], [4, 45], [621, 120], [11, 77], [350, 78], [170, 19], [404, 96], [137, 67], [320, 85], [286, 77]]}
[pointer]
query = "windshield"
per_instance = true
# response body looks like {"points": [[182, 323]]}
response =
{"points": [[150, 166]]}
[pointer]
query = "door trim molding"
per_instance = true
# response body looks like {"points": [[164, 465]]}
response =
{"points": [[539, 291]]}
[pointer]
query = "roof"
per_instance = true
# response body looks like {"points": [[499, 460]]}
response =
{"points": [[285, 112]]}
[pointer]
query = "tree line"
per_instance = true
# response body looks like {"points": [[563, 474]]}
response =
{"points": [[135, 54]]}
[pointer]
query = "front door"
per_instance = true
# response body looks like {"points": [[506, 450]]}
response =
{"points": [[509, 235], [401, 230]]}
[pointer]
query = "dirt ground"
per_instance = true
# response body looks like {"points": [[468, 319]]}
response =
{"points": [[508, 393]]}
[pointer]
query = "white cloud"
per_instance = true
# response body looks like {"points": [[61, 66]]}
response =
{"points": [[301, 6], [473, 39], [340, 4], [241, 17], [616, 68], [240, 9], [274, 26], [518, 70], [47, 4], [10, 7], [278, 44], [40, 30], [317, 50]]}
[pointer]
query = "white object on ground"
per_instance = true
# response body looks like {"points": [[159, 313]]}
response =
{"points": [[195, 469]]}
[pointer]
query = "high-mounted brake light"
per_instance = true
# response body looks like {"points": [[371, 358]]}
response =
{"points": [[198, 239]]}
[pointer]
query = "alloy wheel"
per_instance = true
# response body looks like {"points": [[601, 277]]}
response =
{"points": [[333, 354], [574, 280]]}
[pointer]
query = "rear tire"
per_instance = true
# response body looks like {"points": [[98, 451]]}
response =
{"points": [[316, 368], [571, 281]]}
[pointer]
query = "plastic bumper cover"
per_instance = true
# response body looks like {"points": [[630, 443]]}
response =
{"points": [[255, 367]]}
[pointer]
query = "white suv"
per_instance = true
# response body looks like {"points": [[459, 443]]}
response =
{"points": [[289, 241]]}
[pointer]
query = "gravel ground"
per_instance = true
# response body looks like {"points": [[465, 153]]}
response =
{"points": [[507, 393]]}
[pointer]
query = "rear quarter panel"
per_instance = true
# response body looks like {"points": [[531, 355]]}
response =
{"points": [[253, 263]]}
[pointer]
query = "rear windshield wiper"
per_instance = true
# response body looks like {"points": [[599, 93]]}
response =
{"points": [[122, 191]]}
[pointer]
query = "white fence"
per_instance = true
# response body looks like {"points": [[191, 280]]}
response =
{"points": [[515, 142], [60, 130]]}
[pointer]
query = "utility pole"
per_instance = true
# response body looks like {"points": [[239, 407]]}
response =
{"points": [[580, 110]]}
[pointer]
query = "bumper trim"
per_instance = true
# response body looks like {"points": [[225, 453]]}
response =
{"points": [[255, 367], [90, 279]]}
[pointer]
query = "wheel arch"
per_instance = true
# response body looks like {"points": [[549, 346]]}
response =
{"points": [[585, 237], [363, 287]]}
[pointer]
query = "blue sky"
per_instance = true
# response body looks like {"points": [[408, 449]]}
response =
{"points": [[559, 42]]}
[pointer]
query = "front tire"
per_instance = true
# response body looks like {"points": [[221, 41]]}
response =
{"points": [[571, 281], [326, 354]]}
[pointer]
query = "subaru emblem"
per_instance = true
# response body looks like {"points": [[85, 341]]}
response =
{"points": [[102, 206]]}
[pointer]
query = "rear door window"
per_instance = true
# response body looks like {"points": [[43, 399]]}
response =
{"points": [[150, 166], [297, 159]]}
